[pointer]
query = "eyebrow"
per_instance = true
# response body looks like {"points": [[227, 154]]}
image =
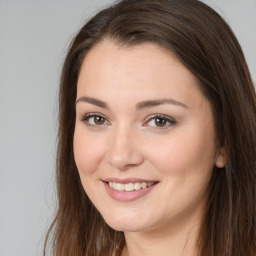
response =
{"points": [[139, 106], [153, 103], [93, 101]]}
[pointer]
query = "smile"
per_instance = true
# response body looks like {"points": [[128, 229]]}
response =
{"points": [[129, 186], [128, 189]]}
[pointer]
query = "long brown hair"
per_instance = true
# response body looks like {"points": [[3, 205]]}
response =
{"points": [[205, 44]]}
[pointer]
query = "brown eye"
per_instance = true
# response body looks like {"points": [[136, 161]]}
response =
{"points": [[94, 120], [99, 120], [160, 122]]}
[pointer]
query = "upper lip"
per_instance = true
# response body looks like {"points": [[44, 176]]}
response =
{"points": [[129, 180]]}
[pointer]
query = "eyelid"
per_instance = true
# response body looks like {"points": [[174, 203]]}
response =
{"points": [[93, 114], [169, 119]]}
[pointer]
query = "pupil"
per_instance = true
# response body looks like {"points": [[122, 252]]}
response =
{"points": [[160, 122]]}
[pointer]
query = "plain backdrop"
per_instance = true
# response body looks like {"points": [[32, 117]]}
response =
{"points": [[34, 36]]}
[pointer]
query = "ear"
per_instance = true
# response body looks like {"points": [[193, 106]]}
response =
{"points": [[221, 158]]}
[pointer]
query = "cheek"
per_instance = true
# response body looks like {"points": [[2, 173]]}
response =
{"points": [[185, 162], [183, 152], [88, 151]]}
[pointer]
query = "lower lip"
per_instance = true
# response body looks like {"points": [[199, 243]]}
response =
{"points": [[126, 196]]}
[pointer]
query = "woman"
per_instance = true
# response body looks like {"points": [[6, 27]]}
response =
{"points": [[157, 144]]}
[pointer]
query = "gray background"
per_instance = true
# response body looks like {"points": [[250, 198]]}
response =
{"points": [[34, 36]]}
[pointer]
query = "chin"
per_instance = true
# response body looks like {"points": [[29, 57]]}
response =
{"points": [[126, 223], [125, 227]]}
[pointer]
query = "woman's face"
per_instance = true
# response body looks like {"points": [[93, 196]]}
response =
{"points": [[144, 141]]}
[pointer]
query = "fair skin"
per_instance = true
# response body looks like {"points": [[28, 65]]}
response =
{"points": [[141, 119]]}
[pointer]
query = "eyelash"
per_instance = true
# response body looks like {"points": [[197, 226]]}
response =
{"points": [[170, 121], [87, 117], [167, 119]]}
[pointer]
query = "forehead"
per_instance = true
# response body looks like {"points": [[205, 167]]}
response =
{"points": [[140, 71]]}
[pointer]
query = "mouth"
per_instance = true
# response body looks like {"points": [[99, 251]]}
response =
{"points": [[128, 187], [126, 190]]}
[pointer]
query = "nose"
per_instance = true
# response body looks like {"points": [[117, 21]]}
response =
{"points": [[124, 150]]}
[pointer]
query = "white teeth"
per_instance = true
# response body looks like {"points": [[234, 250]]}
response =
{"points": [[137, 186], [143, 184], [129, 186], [120, 186]]}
